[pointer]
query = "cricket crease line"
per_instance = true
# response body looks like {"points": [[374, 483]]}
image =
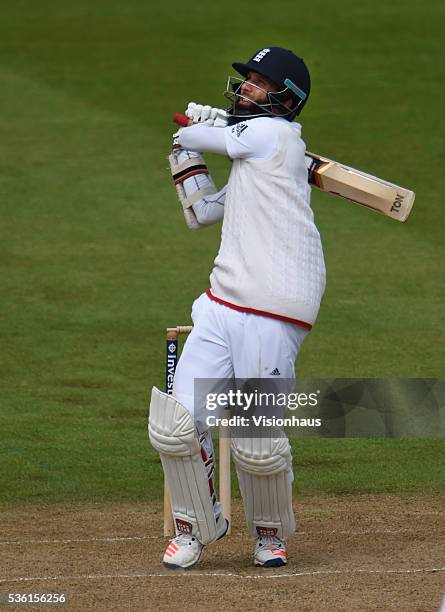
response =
{"points": [[237, 534], [74, 540], [192, 574]]}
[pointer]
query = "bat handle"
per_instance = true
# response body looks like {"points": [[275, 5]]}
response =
{"points": [[182, 120]]}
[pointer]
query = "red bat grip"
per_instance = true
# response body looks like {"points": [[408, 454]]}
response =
{"points": [[181, 120]]}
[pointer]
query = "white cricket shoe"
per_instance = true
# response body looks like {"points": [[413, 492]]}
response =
{"points": [[185, 550], [270, 552]]}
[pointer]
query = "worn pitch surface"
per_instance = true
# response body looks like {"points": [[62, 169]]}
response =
{"points": [[350, 553]]}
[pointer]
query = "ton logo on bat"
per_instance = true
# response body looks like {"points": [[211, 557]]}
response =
{"points": [[397, 203]]}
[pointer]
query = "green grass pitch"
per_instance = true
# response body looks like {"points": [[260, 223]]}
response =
{"points": [[96, 260]]}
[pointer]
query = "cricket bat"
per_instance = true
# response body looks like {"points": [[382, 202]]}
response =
{"points": [[351, 184], [358, 187]]}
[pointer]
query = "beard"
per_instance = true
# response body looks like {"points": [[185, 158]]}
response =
{"points": [[245, 105], [244, 108], [247, 110]]}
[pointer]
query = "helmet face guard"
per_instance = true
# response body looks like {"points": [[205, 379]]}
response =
{"points": [[274, 107]]}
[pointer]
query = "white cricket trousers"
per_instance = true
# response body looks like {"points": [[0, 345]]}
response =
{"points": [[226, 343]]}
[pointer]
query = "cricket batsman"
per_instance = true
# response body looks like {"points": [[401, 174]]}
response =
{"points": [[265, 291]]}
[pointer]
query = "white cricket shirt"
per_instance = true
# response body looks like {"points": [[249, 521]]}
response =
{"points": [[270, 260]]}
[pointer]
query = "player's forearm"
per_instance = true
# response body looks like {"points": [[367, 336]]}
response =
{"points": [[210, 209], [203, 139]]}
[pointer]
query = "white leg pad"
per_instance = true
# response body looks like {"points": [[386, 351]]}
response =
{"points": [[264, 468], [173, 434]]}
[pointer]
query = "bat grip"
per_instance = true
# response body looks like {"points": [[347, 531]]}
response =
{"points": [[181, 120]]}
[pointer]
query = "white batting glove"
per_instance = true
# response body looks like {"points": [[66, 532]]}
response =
{"points": [[206, 114], [175, 143], [222, 118]]}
